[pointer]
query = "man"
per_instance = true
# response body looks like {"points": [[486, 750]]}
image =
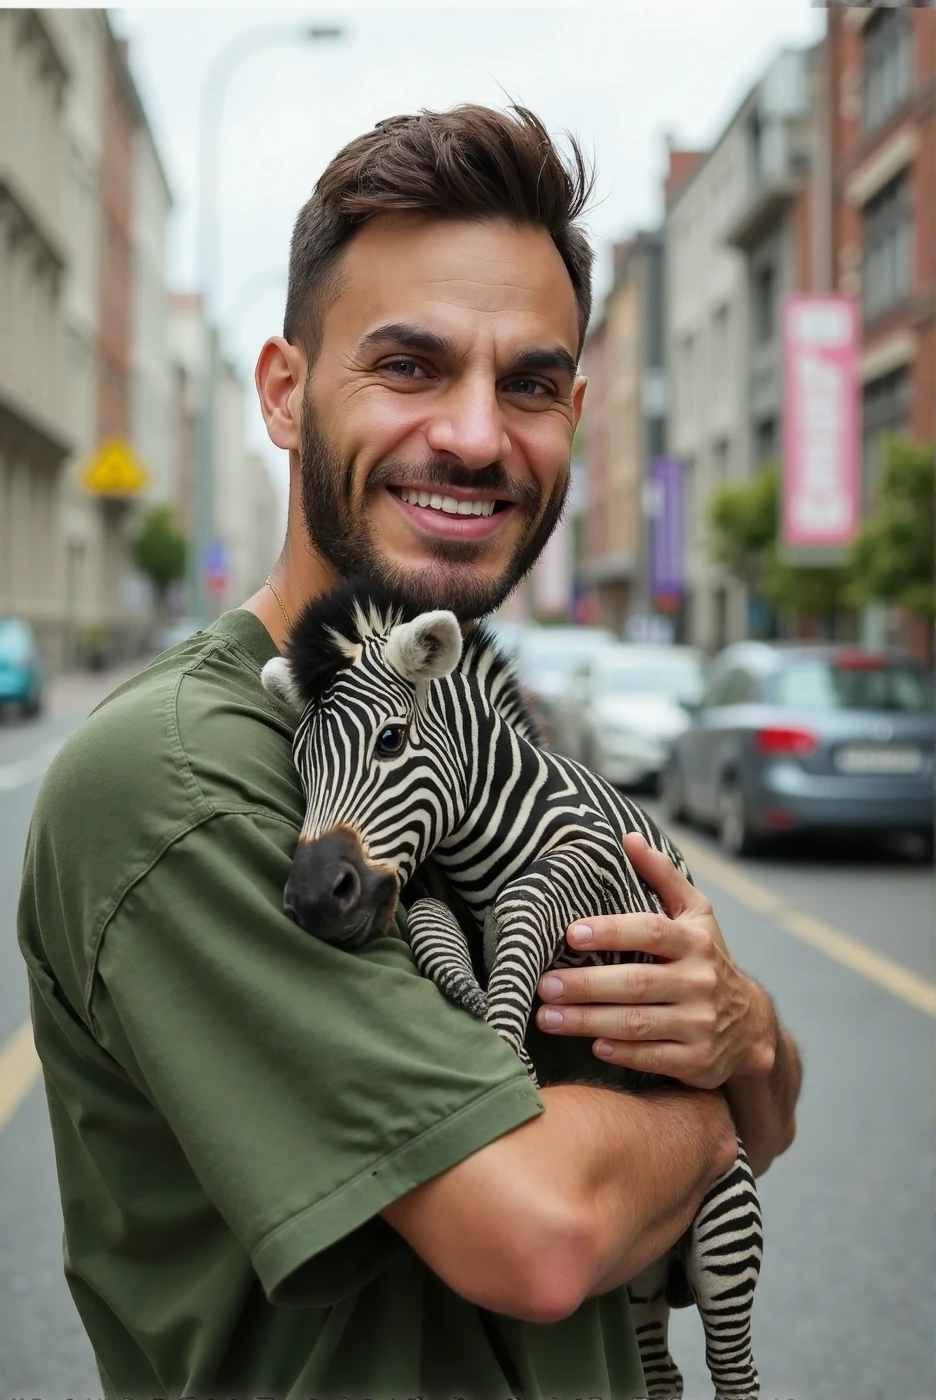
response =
{"points": [[287, 1170]]}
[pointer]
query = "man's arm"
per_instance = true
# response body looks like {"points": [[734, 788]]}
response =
{"points": [[693, 1015], [571, 1204], [764, 1106]]}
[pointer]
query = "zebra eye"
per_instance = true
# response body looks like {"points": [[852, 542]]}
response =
{"points": [[390, 740]]}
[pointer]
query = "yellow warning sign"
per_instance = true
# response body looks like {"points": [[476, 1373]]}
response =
{"points": [[114, 470]]}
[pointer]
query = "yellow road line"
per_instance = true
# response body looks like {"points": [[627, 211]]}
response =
{"points": [[19, 1070], [909, 986]]}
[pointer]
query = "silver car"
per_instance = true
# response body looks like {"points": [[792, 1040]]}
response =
{"points": [[794, 738], [625, 706], [547, 657]]}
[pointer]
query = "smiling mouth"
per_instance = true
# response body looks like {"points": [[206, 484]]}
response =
{"points": [[449, 505]]}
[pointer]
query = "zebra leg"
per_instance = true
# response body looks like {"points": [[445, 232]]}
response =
{"points": [[442, 955], [525, 932], [441, 952], [726, 1244], [651, 1314]]}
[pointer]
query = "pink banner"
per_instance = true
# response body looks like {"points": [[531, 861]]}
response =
{"points": [[821, 481]]}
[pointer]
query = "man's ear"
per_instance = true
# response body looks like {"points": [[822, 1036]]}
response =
{"points": [[428, 647], [277, 678], [280, 377]]}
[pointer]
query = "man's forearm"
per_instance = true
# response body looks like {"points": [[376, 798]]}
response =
{"points": [[764, 1105], [571, 1203], [648, 1161]]}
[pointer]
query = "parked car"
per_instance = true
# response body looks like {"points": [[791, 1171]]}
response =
{"points": [[547, 657], [795, 738], [624, 706], [510, 632], [21, 672]]}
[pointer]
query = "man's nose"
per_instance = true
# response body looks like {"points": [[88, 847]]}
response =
{"points": [[335, 894], [469, 424]]}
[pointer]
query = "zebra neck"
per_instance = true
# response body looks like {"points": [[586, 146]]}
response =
{"points": [[504, 772]]}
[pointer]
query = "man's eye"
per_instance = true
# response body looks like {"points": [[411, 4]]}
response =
{"points": [[405, 369], [528, 388], [391, 740]]}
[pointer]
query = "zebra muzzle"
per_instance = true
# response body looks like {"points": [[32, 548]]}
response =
{"points": [[334, 893]]}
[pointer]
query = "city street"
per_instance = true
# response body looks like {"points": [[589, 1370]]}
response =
{"points": [[841, 937]]}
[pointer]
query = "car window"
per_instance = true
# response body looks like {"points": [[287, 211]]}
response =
{"points": [[822, 683], [15, 642], [733, 687]]}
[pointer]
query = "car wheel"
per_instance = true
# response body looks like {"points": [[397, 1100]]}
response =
{"points": [[671, 793], [734, 823]]}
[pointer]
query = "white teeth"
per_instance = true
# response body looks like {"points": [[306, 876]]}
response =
{"points": [[448, 504]]}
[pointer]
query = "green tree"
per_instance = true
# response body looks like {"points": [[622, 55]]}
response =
{"points": [[892, 558], [159, 550], [744, 524]]}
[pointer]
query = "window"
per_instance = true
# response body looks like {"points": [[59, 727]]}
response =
{"points": [[854, 681], [765, 440], [887, 242], [765, 305], [885, 409], [887, 38], [732, 687]]}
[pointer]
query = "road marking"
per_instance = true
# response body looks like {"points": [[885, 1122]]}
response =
{"points": [[909, 986], [19, 1070], [27, 770]]}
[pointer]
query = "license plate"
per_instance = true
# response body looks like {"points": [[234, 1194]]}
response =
{"points": [[885, 759]]}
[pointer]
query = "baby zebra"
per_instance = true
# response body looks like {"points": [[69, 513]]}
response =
{"points": [[412, 742]]}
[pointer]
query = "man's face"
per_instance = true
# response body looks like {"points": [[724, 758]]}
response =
{"points": [[437, 419]]}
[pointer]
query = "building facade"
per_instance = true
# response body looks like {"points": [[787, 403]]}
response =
{"points": [[36, 434], [626, 425], [707, 308], [881, 122]]}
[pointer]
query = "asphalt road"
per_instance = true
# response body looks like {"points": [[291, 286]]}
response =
{"points": [[841, 937]]}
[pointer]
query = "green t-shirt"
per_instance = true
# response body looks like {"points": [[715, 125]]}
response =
{"points": [[233, 1102]]}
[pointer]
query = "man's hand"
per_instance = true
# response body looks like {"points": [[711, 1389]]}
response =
{"points": [[695, 1016]]}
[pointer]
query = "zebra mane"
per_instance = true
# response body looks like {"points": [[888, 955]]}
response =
{"points": [[328, 635]]}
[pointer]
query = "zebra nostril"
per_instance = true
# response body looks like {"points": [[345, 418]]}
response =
{"points": [[347, 888]]}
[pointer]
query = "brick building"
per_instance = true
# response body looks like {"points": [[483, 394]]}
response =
{"points": [[881, 65]]}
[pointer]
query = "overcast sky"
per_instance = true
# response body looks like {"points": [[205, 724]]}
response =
{"points": [[619, 76]]}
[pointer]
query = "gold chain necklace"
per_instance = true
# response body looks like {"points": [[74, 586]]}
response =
{"points": [[272, 588]]}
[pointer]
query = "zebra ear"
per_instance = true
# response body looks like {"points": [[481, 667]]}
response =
{"points": [[277, 678], [428, 647]]}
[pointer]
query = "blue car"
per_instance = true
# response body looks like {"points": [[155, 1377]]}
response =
{"points": [[798, 738], [20, 666]]}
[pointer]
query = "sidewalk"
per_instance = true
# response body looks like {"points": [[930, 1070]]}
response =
{"points": [[77, 692]]}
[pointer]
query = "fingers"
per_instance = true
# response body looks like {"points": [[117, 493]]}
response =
{"points": [[624, 1023], [675, 1060], [632, 933], [678, 896]]}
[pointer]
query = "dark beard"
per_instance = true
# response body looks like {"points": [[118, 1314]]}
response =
{"points": [[336, 527]]}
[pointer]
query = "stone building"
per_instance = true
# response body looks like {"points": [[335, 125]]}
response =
{"points": [[36, 433]]}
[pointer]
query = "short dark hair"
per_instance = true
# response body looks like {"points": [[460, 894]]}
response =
{"points": [[473, 163]]}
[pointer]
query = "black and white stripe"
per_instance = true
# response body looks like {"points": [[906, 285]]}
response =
{"points": [[531, 841]]}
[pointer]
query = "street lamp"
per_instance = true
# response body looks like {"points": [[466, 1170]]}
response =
{"points": [[222, 66]]}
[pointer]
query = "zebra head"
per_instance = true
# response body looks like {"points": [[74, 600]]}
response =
{"points": [[378, 763]]}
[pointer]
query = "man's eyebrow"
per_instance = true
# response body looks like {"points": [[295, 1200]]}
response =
{"points": [[398, 333], [543, 357]]}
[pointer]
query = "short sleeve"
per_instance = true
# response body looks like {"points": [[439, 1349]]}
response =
{"points": [[307, 1086]]}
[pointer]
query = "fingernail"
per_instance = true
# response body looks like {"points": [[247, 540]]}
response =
{"points": [[551, 987], [581, 933], [603, 1048], [551, 1018]]}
